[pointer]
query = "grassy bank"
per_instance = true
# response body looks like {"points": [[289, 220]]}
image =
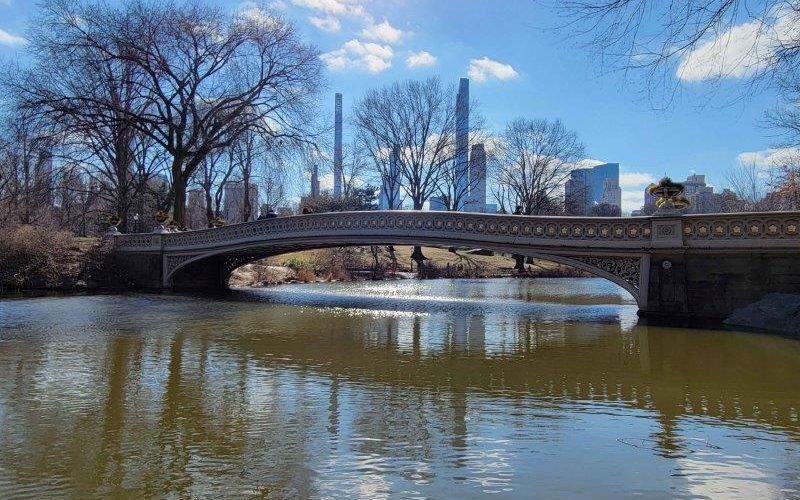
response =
{"points": [[364, 263]]}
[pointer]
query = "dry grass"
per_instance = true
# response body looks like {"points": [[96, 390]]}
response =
{"points": [[38, 257]]}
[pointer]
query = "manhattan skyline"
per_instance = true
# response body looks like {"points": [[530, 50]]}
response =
{"points": [[518, 64]]}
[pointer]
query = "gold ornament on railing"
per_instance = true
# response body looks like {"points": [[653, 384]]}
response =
{"points": [[111, 221], [161, 216], [669, 196], [218, 222]]}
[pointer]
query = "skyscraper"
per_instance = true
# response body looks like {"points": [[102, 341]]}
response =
{"points": [[315, 181], [389, 198], [586, 186], [612, 193], [461, 163], [338, 173], [233, 209], [577, 194], [477, 179]]}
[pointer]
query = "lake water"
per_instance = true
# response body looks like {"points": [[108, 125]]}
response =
{"points": [[507, 388]]}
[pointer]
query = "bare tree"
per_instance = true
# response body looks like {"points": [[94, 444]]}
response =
{"points": [[27, 175], [246, 151], [417, 120], [214, 172], [206, 76], [532, 161], [785, 185], [91, 97], [748, 182], [355, 169], [689, 39]]}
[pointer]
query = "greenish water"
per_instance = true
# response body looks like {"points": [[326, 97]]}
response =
{"points": [[545, 388]]}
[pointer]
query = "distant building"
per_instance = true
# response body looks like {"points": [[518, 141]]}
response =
{"points": [[701, 196], [338, 168], [196, 217], [702, 199], [587, 187], [389, 196], [314, 181], [612, 193], [461, 164], [437, 204], [233, 206], [476, 201], [649, 199], [694, 184]]}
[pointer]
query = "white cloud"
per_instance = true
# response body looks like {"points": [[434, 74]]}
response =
{"points": [[769, 157], [350, 8], [632, 200], [741, 51], [368, 56], [588, 162], [481, 70], [327, 23], [383, 32], [251, 13], [635, 179], [421, 59], [633, 185], [7, 38], [326, 182]]}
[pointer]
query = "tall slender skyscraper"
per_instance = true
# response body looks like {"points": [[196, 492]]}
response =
{"points": [[461, 164], [338, 173], [477, 179]]}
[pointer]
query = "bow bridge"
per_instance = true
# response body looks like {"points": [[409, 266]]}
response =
{"points": [[695, 265]]}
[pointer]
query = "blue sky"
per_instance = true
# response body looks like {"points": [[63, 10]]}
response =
{"points": [[519, 66]]}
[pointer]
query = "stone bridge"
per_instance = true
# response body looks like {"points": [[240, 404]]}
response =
{"points": [[693, 266]]}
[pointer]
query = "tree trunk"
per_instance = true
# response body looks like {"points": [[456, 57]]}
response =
{"points": [[209, 207], [417, 255], [247, 208], [519, 263], [179, 183], [179, 200], [393, 257]]}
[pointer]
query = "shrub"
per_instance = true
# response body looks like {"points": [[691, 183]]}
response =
{"points": [[297, 264], [306, 275], [37, 257]]}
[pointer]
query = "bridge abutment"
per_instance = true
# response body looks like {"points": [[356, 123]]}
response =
{"points": [[702, 284], [139, 270]]}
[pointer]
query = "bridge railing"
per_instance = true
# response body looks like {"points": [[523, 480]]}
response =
{"points": [[772, 229]]}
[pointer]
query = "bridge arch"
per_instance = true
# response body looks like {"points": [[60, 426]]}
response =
{"points": [[213, 268]]}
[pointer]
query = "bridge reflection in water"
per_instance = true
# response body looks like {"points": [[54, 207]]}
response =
{"points": [[156, 394]]}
